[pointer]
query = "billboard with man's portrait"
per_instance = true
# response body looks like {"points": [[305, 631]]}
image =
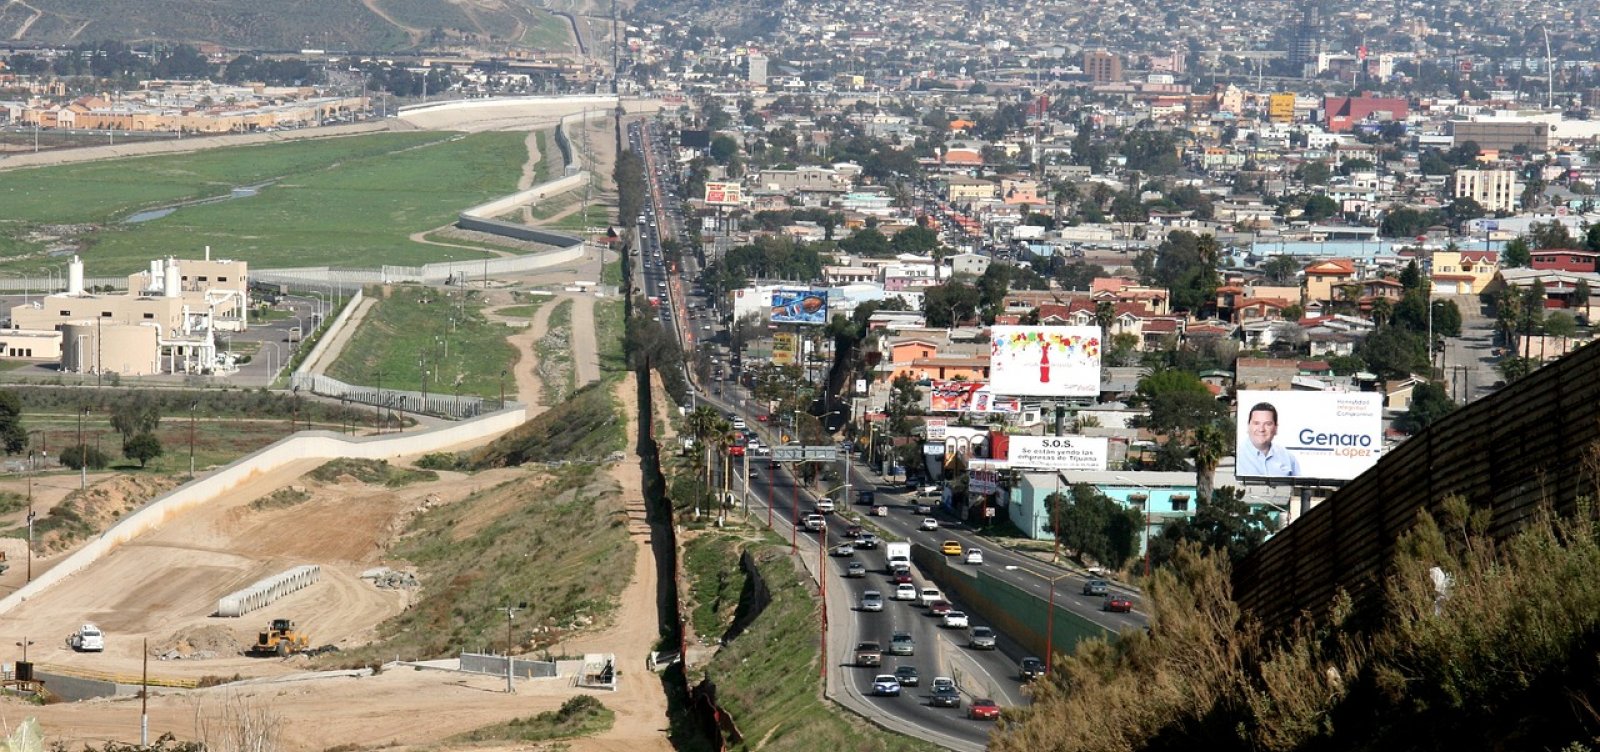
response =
{"points": [[1315, 435]]}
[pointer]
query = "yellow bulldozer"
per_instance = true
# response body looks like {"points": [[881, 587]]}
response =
{"points": [[280, 638]]}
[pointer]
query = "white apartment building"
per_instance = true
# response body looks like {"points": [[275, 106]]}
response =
{"points": [[1494, 190]]}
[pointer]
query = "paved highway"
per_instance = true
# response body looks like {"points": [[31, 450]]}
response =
{"points": [[773, 492]]}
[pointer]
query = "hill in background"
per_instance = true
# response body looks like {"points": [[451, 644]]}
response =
{"points": [[357, 25]]}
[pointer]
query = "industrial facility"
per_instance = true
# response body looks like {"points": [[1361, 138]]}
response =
{"points": [[167, 322]]}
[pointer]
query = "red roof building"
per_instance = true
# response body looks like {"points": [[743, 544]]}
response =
{"points": [[1343, 113]]}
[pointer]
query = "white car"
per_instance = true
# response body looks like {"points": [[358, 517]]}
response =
{"points": [[974, 556], [929, 595], [929, 523], [905, 591], [955, 620]]}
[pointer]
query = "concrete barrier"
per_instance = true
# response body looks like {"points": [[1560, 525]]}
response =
{"points": [[301, 446]]}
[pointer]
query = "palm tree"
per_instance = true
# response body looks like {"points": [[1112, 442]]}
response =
{"points": [[708, 428], [1210, 446]]}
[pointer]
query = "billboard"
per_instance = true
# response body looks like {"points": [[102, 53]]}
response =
{"points": [[1059, 452], [936, 428], [1045, 361], [1321, 435], [968, 397], [723, 194], [784, 348], [799, 306]]}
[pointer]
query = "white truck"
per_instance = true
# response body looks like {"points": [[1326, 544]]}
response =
{"points": [[897, 553], [88, 639]]}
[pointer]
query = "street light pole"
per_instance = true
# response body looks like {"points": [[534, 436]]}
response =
{"points": [[83, 452], [192, 407]]}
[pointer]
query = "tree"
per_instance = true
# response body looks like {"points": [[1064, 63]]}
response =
{"points": [[1211, 443], [1178, 401], [1518, 254], [1281, 270], [1465, 209], [142, 447], [1552, 234], [918, 239], [1094, 526], [905, 402], [77, 456], [136, 413], [1429, 403], [1592, 239], [12, 432], [1224, 523], [866, 242], [1318, 208], [1446, 318], [1411, 276], [1315, 173], [950, 303], [1392, 352]]}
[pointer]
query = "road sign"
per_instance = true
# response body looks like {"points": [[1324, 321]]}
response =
{"points": [[805, 453]]}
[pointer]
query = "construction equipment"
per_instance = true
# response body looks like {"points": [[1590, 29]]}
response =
{"points": [[280, 639]]}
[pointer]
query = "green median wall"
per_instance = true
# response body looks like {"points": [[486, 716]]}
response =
{"points": [[1012, 611]]}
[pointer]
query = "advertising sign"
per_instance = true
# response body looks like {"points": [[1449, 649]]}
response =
{"points": [[828, 453], [1321, 435], [799, 306], [723, 194], [968, 397], [983, 481], [784, 349], [936, 428], [1045, 361], [1059, 452]]}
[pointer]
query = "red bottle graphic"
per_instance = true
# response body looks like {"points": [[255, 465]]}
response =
{"points": [[1044, 363]]}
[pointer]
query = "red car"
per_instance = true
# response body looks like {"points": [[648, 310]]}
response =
{"points": [[1118, 603], [983, 710], [903, 577], [736, 451], [761, 418], [939, 608]]}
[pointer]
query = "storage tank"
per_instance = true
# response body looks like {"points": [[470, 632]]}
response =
{"points": [[171, 288], [127, 349]]}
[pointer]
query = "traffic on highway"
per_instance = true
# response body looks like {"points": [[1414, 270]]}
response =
{"points": [[900, 650]]}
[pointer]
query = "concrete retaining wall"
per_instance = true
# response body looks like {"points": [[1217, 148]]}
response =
{"points": [[490, 104], [75, 688], [333, 328], [495, 665], [533, 195], [306, 445]]}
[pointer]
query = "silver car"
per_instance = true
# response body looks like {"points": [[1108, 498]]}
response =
{"points": [[981, 638], [872, 600]]}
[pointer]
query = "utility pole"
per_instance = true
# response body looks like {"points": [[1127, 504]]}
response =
{"points": [[510, 614]]}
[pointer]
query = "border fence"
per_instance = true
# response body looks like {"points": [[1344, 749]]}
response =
{"points": [[1525, 445]]}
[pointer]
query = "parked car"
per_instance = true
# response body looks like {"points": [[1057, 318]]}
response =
{"points": [[907, 676], [855, 569], [872, 600], [885, 685], [974, 556], [981, 638], [1095, 587], [983, 710], [1118, 603], [1030, 668], [905, 591], [869, 654], [843, 549], [951, 548], [930, 523], [955, 620], [900, 643]]}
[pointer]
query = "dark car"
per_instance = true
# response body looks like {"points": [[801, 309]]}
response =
{"points": [[1030, 668], [945, 697], [866, 497], [1096, 587], [1118, 603], [907, 676]]}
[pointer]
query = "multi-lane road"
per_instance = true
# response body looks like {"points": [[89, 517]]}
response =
{"points": [[769, 490]]}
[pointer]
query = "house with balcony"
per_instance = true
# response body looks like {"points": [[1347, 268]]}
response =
{"points": [[1324, 278], [1463, 272]]}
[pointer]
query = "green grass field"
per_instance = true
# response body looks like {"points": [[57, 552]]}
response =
{"points": [[341, 202], [408, 333], [551, 33]]}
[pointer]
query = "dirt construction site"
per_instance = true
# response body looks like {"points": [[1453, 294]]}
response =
{"points": [[156, 598]]}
